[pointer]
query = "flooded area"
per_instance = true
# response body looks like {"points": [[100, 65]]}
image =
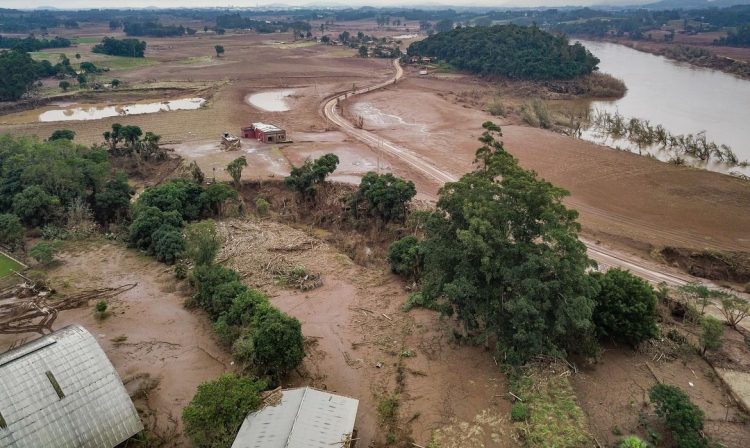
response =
{"points": [[273, 101], [82, 113], [683, 99]]}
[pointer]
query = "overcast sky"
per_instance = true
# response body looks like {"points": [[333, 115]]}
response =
{"points": [[243, 3]]}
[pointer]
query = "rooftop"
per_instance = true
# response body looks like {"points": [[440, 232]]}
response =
{"points": [[61, 390], [305, 418], [263, 127]]}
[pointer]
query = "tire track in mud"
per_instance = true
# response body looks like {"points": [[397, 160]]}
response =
{"points": [[603, 255]]}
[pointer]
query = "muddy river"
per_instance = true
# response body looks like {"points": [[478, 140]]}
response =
{"points": [[682, 98]]}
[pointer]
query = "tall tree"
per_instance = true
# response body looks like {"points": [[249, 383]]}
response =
{"points": [[235, 170], [503, 251]]}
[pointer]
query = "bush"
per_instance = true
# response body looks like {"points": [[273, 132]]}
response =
{"points": [[712, 333], [406, 258], [519, 412], [216, 288], [45, 252], [35, 207], [145, 224], [386, 196], [273, 346], [202, 242], [625, 308], [62, 134], [218, 408], [168, 244], [497, 108], [682, 417], [261, 205], [11, 231], [244, 307], [632, 442]]}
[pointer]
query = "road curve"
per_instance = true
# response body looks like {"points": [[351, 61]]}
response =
{"points": [[604, 256]]}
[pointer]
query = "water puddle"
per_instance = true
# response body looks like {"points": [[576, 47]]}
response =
{"points": [[98, 112], [272, 101]]}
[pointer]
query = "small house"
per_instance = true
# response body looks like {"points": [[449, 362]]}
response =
{"points": [[303, 418], [266, 133], [61, 391]]}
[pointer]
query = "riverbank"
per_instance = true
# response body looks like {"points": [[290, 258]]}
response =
{"points": [[732, 60]]}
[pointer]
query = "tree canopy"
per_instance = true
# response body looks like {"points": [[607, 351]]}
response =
{"points": [[503, 252], [512, 51], [133, 48], [307, 177], [385, 196]]}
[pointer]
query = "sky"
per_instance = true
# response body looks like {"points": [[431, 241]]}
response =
{"points": [[25, 4]]}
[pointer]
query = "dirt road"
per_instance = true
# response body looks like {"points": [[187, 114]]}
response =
{"points": [[606, 257]]}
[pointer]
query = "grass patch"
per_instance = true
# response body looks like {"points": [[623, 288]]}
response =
{"points": [[554, 418], [87, 40], [8, 265]]}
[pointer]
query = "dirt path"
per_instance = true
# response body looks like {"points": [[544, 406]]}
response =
{"points": [[606, 256]]}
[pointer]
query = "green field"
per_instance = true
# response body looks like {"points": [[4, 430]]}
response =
{"points": [[7, 265], [87, 40]]}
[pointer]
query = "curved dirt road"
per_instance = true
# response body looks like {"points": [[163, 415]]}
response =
{"points": [[604, 256]]}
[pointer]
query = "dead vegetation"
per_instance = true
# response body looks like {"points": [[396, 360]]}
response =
{"points": [[32, 307]]}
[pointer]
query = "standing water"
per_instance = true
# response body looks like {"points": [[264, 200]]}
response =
{"points": [[99, 112], [682, 98], [273, 101]]}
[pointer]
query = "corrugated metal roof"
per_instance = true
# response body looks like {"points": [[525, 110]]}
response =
{"points": [[305, 418], [266, 127], [95, 411]]}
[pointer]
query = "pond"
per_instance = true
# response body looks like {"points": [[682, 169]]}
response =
{"points": [[271, 101], [683, 99], [81, 113]]}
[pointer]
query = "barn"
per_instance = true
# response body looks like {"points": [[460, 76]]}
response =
{"points": [[266, 133], [61, 391]]}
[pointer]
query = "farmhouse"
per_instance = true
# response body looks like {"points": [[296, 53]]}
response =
{"points": [[267, 133], [61, 390], [304, 418]]}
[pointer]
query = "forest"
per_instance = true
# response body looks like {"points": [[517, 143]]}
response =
{"points": [[152, 29], [121, 47], [31, 43], [512, 51], [736, 38]]}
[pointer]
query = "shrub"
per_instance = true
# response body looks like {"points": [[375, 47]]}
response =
{"points": [[625, 308], [386, 196], [202, 242], [44, 252], [632, 442], [244, 307], [216, 288], [261, 205], [406, 258], [497, 108], [101, 306], [305, 179], [145, 224], [712, 332], [218, 408], [11, 231], [273, 346], [682, 417], [62, 134], [168, 244], [519, 412]]}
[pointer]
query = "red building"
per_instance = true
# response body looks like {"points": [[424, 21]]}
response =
{"points": [[266, 133]]}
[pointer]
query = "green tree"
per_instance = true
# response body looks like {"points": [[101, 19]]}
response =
{"points": [[235, 170], [273, 345], [65, 85], [406, 257], [625, 308], [240, 314], [179, 195], [82, 80], [168, 243], [305, 179], [215, 197], [712, 333], [45, 252], [35, 207], [734, 309], [218, 408], [503, 251], [386, 196], [219, 50], [680, 415], [444, 25], [146, 222], [363, 51], [216, 287], [11, 231], [203, 242], [62, 134], [115, 83], [18, 73], [196, 173], [112, 204]]}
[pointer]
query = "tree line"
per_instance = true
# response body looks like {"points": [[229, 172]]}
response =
{"points": [[133, 48], [31, 43], [20, 73], [236, 21], [508, 50]]}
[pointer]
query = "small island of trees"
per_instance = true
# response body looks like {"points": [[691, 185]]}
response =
{"points": [[508, 50]]}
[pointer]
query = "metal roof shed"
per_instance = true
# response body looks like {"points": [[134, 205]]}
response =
{"points": [[61, 391], [305, 418]]}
